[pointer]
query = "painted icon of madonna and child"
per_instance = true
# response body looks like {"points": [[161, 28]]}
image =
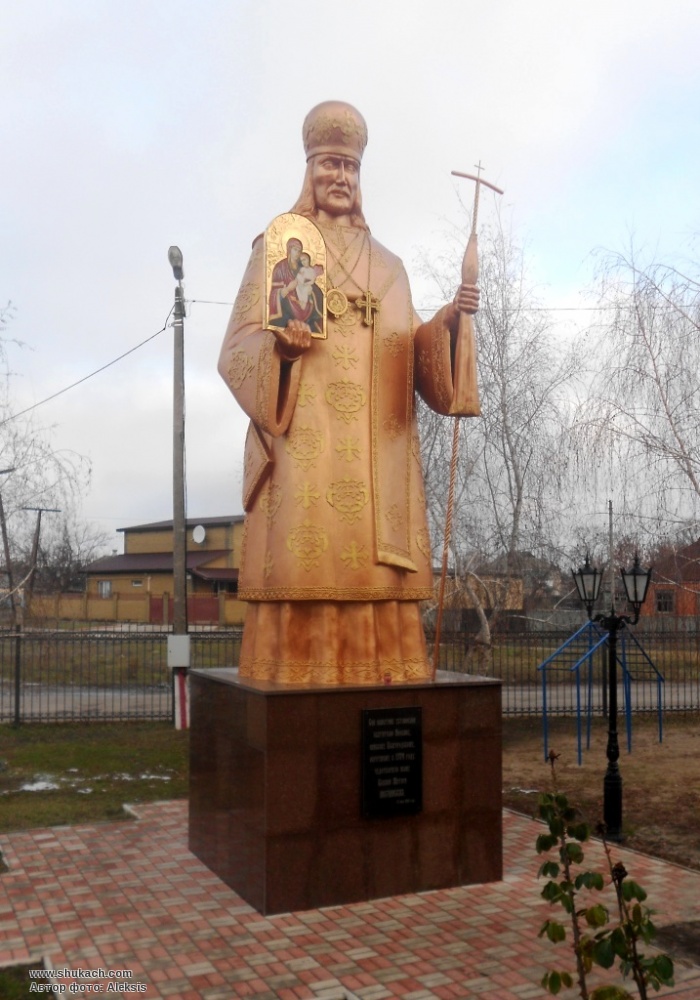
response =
{"points": [[293, 292], [295, 257]]}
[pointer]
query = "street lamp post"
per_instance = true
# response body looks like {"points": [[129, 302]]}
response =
{"points": [[636, 582]]}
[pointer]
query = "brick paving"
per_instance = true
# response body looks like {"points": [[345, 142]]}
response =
{"points": [[130, 896]]}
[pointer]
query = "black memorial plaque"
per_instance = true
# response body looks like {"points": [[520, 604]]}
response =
{"points": [[392, 762]]}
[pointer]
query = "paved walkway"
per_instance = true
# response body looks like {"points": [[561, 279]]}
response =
{"points": [[130, 896]]}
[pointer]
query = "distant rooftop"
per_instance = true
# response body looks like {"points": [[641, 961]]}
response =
{"points": [[162, 562], [151, 562], [191, 522]]}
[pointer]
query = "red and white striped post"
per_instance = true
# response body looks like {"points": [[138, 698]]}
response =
{"points": [[179, 663]]}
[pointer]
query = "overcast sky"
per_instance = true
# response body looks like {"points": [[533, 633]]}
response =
{"points": [[127, 127]]}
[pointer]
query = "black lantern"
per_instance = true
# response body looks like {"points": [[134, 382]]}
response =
{"points": [[588, 579], [636, 581]]}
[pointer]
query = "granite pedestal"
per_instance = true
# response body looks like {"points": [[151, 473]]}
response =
{"points": [[276, 803]]}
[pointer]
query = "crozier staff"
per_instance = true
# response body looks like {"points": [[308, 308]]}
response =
{"points": [[337, 553]]}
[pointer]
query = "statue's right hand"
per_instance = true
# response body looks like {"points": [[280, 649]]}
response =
{"points": [[293, 339]]}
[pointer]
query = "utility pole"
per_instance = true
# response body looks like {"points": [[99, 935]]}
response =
{"points": [[8, 558], [25, 602], [179, 641], [35, 544], [179, 527]]}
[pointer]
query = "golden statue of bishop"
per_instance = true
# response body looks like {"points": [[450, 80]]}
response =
{"points": [[325, 352]]}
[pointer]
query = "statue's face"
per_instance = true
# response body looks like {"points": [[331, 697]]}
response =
{"points": [[336, 182]]}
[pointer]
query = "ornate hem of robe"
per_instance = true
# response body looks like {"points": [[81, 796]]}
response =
{"points": [[334, 642]]}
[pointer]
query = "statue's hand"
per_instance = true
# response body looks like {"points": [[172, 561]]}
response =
{"points": [[293, 340], [467, 299]]}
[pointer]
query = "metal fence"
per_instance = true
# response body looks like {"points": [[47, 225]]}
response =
{"points": [[72, 676], [516, 657], [98, 675]]}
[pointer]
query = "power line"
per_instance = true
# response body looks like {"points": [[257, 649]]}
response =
{"points": [[207, 302], [85, 378], [216, 302], [605, 308]]}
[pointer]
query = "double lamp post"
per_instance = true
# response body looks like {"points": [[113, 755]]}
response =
{"points": [[636, 582]]}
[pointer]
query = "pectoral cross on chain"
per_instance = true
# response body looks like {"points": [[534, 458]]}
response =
{"points": [[370, 304]]}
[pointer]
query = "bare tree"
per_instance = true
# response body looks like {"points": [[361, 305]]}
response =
{"points": [[643, 409], [66, 547], [34, 474]]}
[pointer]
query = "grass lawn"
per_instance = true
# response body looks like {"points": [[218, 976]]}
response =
{"points": [[15, 982], [58, 774]]}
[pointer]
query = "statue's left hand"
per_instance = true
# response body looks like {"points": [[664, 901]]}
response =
{"points": [[467, 299], [293, 339]]}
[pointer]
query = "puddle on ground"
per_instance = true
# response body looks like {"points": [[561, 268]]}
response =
{"points": [[680, 940]]}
